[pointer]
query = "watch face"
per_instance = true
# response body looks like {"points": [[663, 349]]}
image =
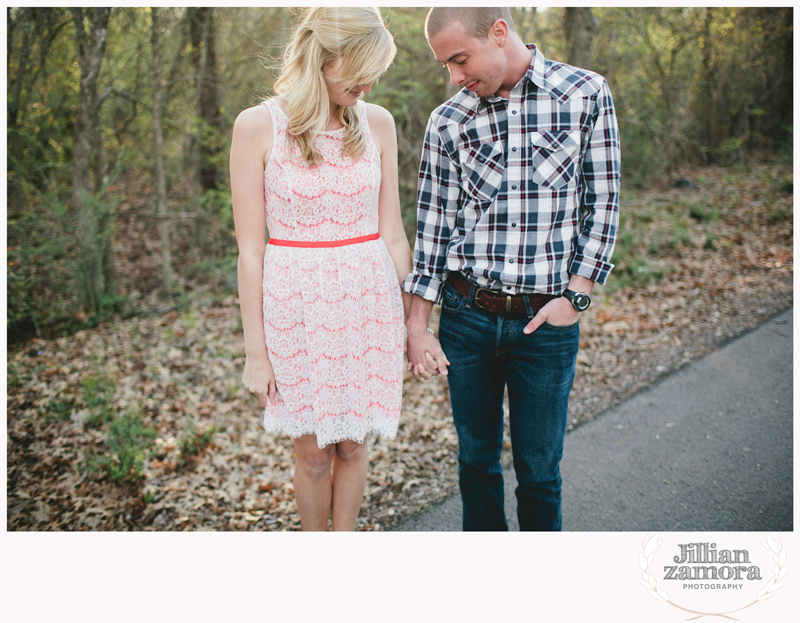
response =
{"points": [[581, 301]]}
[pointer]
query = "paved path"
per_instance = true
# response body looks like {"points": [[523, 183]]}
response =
{"points": [[708, 448]]}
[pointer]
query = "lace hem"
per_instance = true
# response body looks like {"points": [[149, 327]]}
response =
{"points": [[327, 434]]}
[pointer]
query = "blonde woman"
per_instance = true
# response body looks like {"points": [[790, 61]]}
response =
{"points": [[322, 310]]}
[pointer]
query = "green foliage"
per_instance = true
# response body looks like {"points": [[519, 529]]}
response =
{"points": [[47, 266], [637, 271], [215, 232], [780, 215], [42, 89], [695, 83], [786, 186], [702, 212], [127, 437], [193, 441], [98, 394], [42, 259], [690, 84], [129, 443], [218, 274], [57, 410], [413, 86], [635, 266]]}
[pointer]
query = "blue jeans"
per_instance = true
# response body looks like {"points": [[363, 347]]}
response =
{"points": [[488, 352]]}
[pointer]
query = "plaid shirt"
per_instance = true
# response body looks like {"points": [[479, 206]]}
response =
{"points": [[519, 194]]}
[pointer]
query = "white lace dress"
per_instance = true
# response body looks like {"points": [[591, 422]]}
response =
{"points": [[333, 313]]}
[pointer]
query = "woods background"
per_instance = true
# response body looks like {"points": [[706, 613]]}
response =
{"points": [[125, 405], [119, 123]]}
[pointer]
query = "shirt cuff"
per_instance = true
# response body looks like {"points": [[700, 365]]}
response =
{"points": [[594, 269], [428, 288]]}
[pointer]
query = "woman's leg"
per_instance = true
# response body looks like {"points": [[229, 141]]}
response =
{"points": [[349, 481], [312, 482]]}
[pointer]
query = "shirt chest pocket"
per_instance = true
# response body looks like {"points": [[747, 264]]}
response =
{"points": [[555, 157], [482, 170]]}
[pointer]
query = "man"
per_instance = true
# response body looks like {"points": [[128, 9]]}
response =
{"points": [[517, 217]]}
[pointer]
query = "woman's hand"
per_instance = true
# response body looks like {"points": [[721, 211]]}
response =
{"points": [[426, 358], [259, 379]]}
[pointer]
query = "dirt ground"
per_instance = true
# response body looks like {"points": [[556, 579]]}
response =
{"points": [[181, 370]]}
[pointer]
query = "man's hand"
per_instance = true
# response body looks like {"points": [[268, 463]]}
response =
{"points": [[426, 358], [558, 312]]}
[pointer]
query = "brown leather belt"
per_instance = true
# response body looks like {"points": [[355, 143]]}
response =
{"points": [[494, 301]]}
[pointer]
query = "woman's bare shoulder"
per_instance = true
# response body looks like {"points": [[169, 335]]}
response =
{"points": [[379, 118], [381, 124], [254, 119]]}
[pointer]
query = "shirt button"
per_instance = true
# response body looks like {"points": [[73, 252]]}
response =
{"points": [[510, 261], [513, 224], [513, 187], [513, 112], [513, 149]]}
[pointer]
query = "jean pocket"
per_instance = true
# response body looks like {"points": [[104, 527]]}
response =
{"points": [[558, 327], [482, 170], [555, 157], [452, 301]]}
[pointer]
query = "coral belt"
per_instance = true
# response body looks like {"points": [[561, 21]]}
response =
{"points": [[316, 244]]}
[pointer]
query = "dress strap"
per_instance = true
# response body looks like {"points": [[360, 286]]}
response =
{"points": [[279, 124], [361, 107], [372, 145]]}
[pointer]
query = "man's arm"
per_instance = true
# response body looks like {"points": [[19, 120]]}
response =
{"points": [[425, 356], [601, 170], [591, 261], [560, 312], [437, 201], [437, 204]]}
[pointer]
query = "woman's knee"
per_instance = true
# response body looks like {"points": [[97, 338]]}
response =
{"points": [[350, 451], [315, 462]]}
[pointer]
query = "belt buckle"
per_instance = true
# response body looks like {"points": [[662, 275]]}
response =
{"points": [[493, 294]]}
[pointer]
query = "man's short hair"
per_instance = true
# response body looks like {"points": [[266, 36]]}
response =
{"points": [[477, 20]]}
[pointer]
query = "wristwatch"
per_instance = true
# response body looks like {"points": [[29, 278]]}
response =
{"points": [[580, 300]]}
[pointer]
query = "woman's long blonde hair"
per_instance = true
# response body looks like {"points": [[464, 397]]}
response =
{"points": [[359, 37]]}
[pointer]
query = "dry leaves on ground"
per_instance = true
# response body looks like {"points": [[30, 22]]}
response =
{"points": [[207, 465]]}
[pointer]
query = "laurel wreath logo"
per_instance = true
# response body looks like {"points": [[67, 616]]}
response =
{"points": [[648, 580]]}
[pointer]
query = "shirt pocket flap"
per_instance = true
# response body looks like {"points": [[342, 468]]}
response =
{"points": [[484, 154], [482, 171], [555, 140], [555, 155]]}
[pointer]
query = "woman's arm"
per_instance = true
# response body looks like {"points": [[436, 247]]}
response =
{"points": [[390, 221], [250, 149]]}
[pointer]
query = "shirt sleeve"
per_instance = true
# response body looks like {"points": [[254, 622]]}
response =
{"points": [[601, 169], [437, 205]]}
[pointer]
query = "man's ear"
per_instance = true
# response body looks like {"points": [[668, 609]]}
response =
{"points": [[499, 32]]}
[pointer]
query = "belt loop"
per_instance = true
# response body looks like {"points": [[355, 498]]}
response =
{"points": [[528, 307], [471, 296]]}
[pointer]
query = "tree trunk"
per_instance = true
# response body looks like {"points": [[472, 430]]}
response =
{"points": [[92, 226], [165, 223], [207, 140], [785, 117], [202, 34], [13, 102], [710, 80], [580, 26]]}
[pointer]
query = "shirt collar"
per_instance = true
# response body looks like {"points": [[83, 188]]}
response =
{"points": [[536, 69], [534, 73]]}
